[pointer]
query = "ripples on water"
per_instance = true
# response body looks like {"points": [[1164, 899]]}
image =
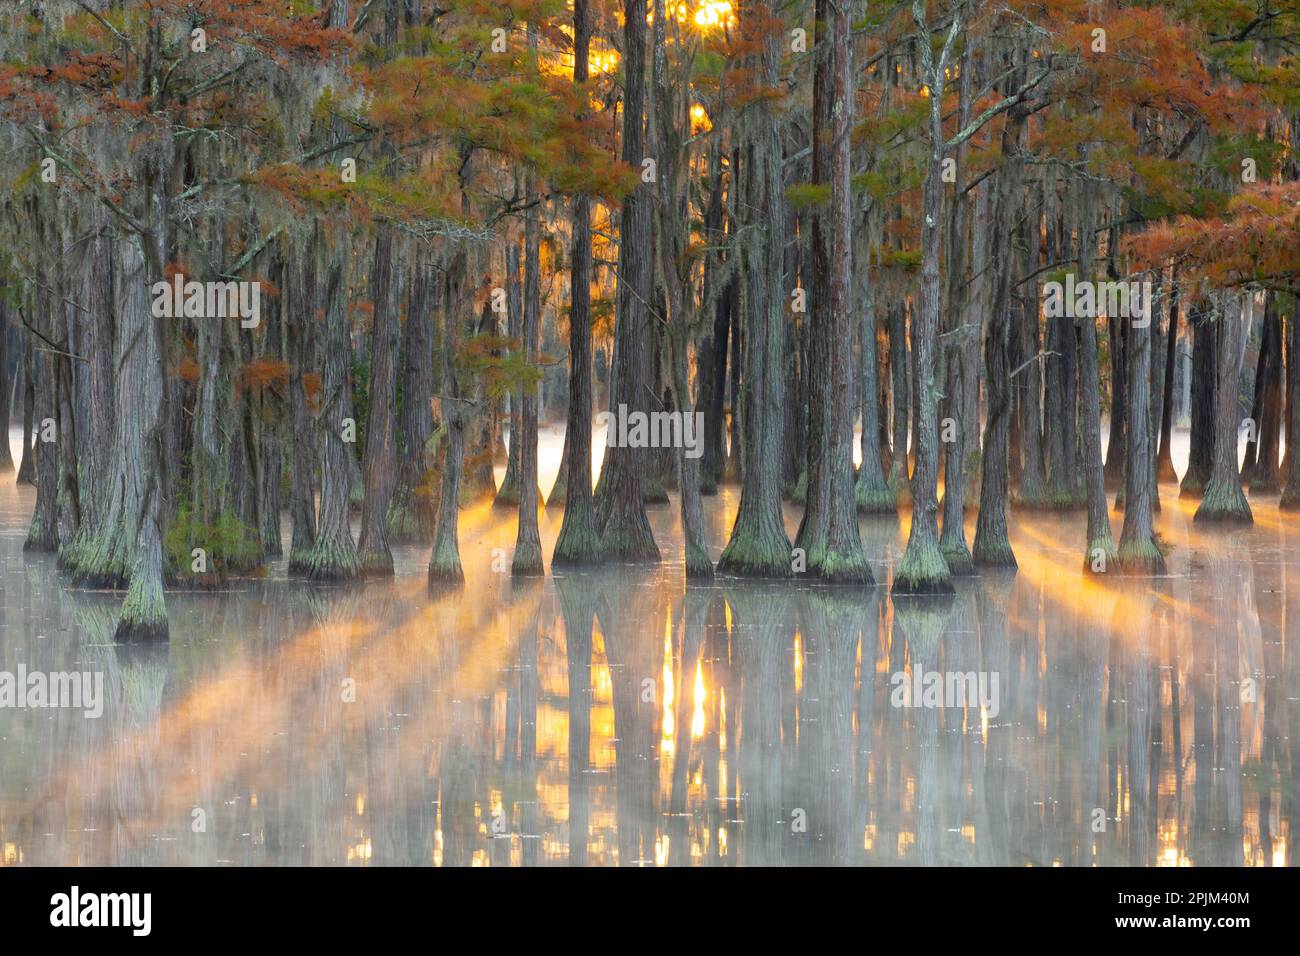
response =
{"points": [[617, 717]]}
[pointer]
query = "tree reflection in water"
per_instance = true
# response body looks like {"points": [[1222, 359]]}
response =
{"points": [[617, 716]]}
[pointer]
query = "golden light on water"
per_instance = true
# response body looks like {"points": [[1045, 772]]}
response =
{"points": [[697, 719], [669, 696]]}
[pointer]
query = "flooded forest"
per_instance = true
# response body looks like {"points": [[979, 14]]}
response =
{"points": [[649, 432]]}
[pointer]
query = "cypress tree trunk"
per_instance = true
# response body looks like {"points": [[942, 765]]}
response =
{"points": [[952, 539], [43, 533], [6, 387], [1100, 551], [333, 555], [1115, 457], [141, 418], [97, 345], [829, 532], [1257, 399], [410, 518], [444, 558], [872, 493], [1264, 478], [992, 546], [1164, 457], [301, 309], [620, 509], [759, 546], [1138, 553], [899, 480], [508, 494], [379, 462], [1204, 399], [1028, 385], [922, 569], [1290, 500], [578, 541], [976, 297], [802, 393], [712, 359], [1224, 501], [528, 543], [27, 463], [671, 112]]}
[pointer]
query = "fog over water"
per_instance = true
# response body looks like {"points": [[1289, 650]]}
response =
{"points": [[617, 716]]}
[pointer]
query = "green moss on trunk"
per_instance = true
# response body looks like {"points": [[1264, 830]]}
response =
{"points": [[1140, 557], [840, 567], [144, 613], [327, 561], [699, 566], [878, 499], [958, 558], [1193, 486], [922, 570], [527, 561], [993, 552], [752, 555], [1224, 503], [653, 491], [799, 493], [1100, 556]]}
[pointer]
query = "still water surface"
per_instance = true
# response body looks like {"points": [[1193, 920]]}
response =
{"points": [[616, 717]]}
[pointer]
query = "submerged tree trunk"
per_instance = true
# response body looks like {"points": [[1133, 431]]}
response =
{"points": [[333, 555], [671, 112], [1224, 501], [141, 417], [508, 494], [872, 493], [1100, 551], [300, 312], [952, 538], [43, 532], [829, 531], [444, 559], [528, 543], [1039, 466], [1204, 397], [578, 541], [410, 518], [759, 546], [992, 545], [922, 569], [1138, 553], [620, 508], [1290, 500], [899, 479], [379, 463]]}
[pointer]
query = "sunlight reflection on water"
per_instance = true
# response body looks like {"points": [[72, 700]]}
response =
{"points": [[617, 717]]}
